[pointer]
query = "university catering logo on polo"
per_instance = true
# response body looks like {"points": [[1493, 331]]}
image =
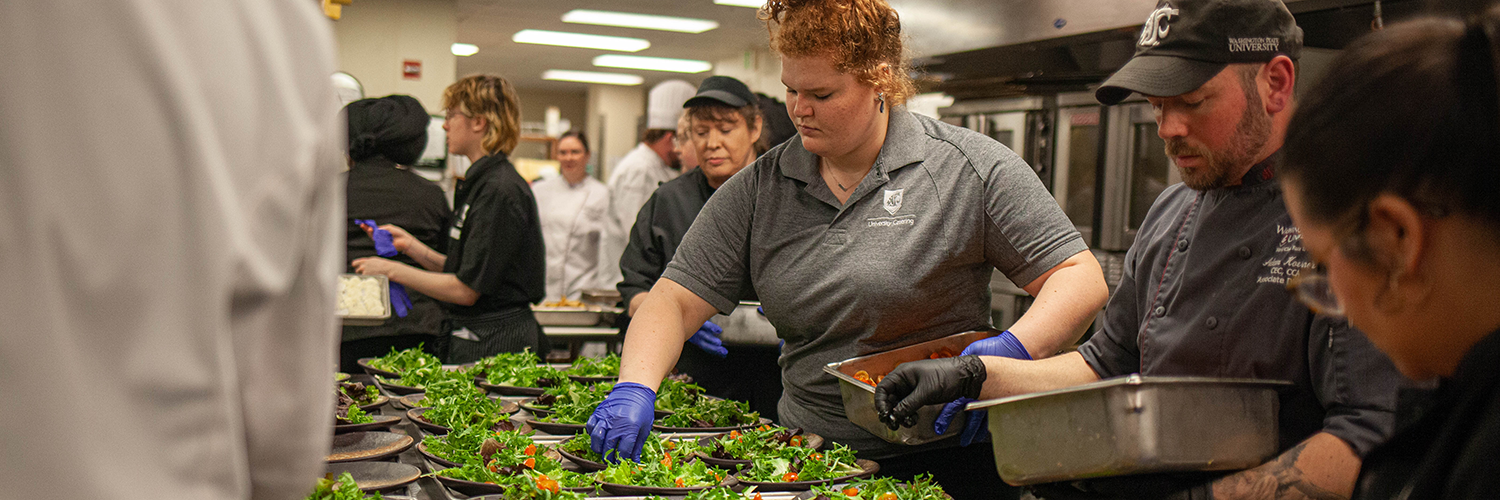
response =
{"points": [[893, 200], [1158, 25]]}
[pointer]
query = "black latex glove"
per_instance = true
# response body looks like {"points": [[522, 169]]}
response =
{"points": [[916, 384]]}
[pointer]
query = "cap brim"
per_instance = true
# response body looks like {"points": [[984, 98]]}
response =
{"points": [[1157, 76], [715, 97]]}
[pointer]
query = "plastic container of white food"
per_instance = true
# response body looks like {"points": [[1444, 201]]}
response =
{"points": [[364, 300]]}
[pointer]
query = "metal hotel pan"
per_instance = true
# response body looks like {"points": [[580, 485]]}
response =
{"points": [[859, 397], [1134, 425]]}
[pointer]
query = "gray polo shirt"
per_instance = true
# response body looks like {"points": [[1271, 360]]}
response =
{"points": [[1204, 294], [908, 259]]}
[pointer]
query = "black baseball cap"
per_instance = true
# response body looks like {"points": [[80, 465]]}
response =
{"points": [[1184, 43], [721, 89]]}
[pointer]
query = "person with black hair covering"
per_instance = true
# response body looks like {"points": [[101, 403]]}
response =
{"points": [[385, 134]]}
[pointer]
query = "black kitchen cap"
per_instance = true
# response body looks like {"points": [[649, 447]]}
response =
{"points": [[393, 126], [1185, 43], [721, 89]]}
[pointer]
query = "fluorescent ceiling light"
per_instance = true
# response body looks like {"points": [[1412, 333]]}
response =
{"points": [[581, 40], [756, 4], [592, 77], [642, 21], [465, 49], [652, 63]]}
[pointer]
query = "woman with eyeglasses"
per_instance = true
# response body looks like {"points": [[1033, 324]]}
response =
{"points": [[1393, 177], [494, 267]]}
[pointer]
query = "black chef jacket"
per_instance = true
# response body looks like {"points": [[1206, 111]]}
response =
{"points": [[1203, 294], [1453, 450], [495, 243], [377, 190], [748, 373]]}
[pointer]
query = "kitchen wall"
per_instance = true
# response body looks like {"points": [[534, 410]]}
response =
{"points": [[376, 36], [614, 122], [571, 105]]}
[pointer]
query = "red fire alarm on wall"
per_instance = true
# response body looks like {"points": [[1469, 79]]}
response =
{"points": [[411, 70]]}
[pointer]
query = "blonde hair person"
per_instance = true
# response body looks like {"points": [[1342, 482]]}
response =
{"points": [[495, 262], [849, 234], [683, 143]]}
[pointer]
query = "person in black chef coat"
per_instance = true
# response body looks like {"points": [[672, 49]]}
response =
{"points": [[1391, 175], [724, 124], [384, 135], [495, 265]]}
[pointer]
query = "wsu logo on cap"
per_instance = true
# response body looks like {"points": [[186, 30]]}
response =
{"points": [[1157, 25]]}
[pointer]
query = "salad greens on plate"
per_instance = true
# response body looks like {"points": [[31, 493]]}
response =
{"points": [[750, 444], [403, 361], [573, 403], [662, 471], [709, 412], [920, 488], [792, 464], [461, 411], [607, 366], [518, 369], [505, 458], [342, 488]]}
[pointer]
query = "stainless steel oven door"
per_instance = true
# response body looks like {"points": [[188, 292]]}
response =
{"points": [[1077, 164], [1136, 171]]}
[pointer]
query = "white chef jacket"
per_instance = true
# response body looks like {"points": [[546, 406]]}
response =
{"points": [[631, 183], [575, 219], [170, 213]]}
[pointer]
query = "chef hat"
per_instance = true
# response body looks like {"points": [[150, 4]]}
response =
{"points": [[664, 103], [393, 126]]}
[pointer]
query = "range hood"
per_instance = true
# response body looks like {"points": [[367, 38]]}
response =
{"points": [[998, 48]]}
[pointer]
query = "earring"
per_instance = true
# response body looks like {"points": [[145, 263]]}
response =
{"points": [[881, 98]]}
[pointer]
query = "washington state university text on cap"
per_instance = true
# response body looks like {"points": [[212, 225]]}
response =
{"points": [[1185, 43]]}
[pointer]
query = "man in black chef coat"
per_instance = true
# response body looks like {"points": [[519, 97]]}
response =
{"points": [[1203, 293]]}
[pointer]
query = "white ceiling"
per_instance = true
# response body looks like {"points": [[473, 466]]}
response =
{"points": [[491, 23]]}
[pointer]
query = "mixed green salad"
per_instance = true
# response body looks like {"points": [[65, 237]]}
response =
{"points": [[920, 488], [342, 488], [656, 448], [791, 464], [518, 369], [722, 493], [506, 458], [361, 394], [607, 366], [750, 444], [422, 377], [403, 361], [573, 403], [674, 394], [461, 411], [354, 415], [710, 412], [662, 471]]}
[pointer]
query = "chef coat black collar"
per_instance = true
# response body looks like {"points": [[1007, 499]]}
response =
{"points": [[376, 161], [1262, 172], [484, 166], [904, 145]]}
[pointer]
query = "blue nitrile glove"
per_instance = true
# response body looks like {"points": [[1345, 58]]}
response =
{"points": [[400, 302], [1004, 345], [709, 337], [622, 422]]}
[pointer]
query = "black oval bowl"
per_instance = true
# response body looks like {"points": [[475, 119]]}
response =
{"points": [[380, 401], [393, 388], [869, 468], [506, 390], [662, 428], [365, 364], [629, 490], [422, 448], [381, 421], [377, 476], [583, 463], [473, 489], [593, 380], [810, 440], [555, 429]]}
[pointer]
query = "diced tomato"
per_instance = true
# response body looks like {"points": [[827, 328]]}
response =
{"points": [[494, 467], [851, 492], [671, 445], [796, 441], [530, 463], [530, 449], [734, 434], [666, 461], [886, 496], [816, 456], [679, 482], [789, 477], [547, 484], [757, 496]]}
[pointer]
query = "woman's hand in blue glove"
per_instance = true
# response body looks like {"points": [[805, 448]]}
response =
{"points": [[710, 338], [622, 422], [1004, 345]]}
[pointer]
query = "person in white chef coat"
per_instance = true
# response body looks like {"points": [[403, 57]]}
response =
{"points": [[171, 205], [574, 210], [640, 171]]}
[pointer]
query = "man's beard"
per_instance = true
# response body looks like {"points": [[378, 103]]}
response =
{"points": [[1221, 168]]}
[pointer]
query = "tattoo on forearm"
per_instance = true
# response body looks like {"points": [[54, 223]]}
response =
{"points": [[1278, 479]]}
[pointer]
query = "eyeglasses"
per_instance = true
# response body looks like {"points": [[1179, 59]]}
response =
{"points": [[1312, 288], [450, 113]]}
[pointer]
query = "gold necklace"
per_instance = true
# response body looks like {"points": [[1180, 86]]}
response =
{"points": [[840, 183]]}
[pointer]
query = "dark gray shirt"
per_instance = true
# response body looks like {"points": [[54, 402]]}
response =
{"points": [[908, 259], [1204, 294]]}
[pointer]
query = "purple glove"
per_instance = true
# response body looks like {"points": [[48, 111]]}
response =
{"points": [[1004, 345], [384, 247], [622, 422], [709, 337]]}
